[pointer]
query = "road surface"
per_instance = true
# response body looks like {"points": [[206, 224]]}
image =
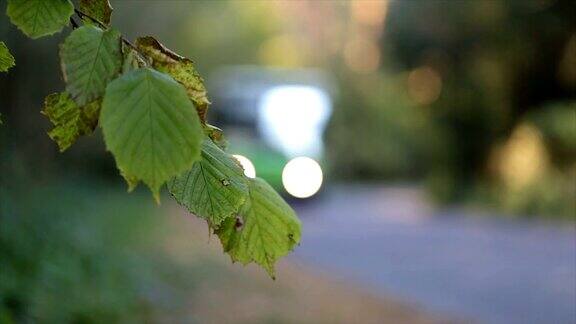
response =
{"points": [[487, 269]]}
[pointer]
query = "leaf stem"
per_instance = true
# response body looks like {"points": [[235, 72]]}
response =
{"points": [[73, 23], [84, 15]]}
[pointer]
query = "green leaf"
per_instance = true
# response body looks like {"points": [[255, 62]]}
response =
{"points": [[151, 127], [265, 229], [180, 68], [91, 58], [70, 121], [37, 18], [100, 10], [214, 189], [6, 59]]}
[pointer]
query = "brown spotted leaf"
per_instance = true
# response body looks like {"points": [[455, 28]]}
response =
{"points": [[70, 121], [6, 59], [180, 68], [132, 60], [100, 10]]}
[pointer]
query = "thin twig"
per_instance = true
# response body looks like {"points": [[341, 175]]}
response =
{"points": [[84, 15], [73, 23]]}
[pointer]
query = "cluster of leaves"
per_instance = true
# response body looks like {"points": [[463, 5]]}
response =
{"points": [[151, 104]]}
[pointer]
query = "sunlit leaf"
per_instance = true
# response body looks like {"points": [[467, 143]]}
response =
{"points": [[6, 59], [215, 187], [70, 121], [151, 127], [101, 10], [37, 18], [91, 58], [265, 229], [180, 68]]}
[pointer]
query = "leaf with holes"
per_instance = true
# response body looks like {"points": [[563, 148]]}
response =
{"points": [[101, 10], [6, 59], [70, 121], [215, 187], [265, 229], [91, 58], [37, 18], [151, 127], [180, 68]]}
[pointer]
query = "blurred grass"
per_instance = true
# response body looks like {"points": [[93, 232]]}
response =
{"points": [[76, 253], [87, 252]]}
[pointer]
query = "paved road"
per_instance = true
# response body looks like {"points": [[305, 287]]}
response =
{"points": [[486, 269]]}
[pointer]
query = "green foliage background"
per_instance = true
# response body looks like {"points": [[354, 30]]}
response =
{"points": [[503, 66]]}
